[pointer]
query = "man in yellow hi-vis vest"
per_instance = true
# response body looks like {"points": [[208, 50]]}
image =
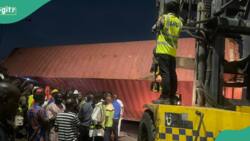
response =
{"points": [[168, 28]]}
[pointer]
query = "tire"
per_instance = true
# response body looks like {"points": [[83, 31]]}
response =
{"points": [[146, 128]]}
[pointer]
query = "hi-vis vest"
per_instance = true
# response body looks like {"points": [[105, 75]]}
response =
{"points": [[167, 39]]}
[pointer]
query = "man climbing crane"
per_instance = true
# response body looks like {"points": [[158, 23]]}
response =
{"points": [[168, 28]]}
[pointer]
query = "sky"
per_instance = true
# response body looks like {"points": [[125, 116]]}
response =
{"points": [[63, 22]]}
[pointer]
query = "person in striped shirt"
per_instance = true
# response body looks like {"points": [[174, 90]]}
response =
{"points": [[67, 123]]}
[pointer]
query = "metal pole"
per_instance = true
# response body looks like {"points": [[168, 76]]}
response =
{"points": [[217, 81], [200, 61]]}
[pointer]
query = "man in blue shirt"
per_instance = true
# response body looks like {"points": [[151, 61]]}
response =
{"points": [[117, 115]]}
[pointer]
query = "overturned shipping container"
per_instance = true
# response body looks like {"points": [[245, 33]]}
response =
{"points": [[121, 68]]}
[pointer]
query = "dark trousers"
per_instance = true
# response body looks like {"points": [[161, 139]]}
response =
{"points": [[167, 66], [84, 133], [115, 129], [107, 134], [98, 139]]}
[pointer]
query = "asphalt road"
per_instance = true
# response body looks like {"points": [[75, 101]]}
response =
{"points": [[129, 131]]}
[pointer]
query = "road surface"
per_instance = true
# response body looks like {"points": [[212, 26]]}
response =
{"points": [[129, 131]]}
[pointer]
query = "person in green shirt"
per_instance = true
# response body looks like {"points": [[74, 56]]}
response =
{"points": [[109, 115]]}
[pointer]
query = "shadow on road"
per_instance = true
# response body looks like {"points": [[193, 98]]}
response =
{"points": [[129, 131]]}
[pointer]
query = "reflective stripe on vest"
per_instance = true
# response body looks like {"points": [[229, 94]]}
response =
{"points": [[168, 36]]}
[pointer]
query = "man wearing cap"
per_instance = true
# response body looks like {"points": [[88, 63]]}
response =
{"points": [[31, 97], [168, 29], [53, 109], [38, 118]]}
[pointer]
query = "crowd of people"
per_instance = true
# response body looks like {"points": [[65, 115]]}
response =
{"points": [[34, 112]]}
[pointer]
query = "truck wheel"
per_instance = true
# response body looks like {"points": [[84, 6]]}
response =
{"points": [[146, 128]]}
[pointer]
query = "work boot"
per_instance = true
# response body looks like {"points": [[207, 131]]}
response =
{"points": [[174, 100]]}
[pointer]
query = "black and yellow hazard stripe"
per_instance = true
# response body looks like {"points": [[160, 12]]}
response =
{"points": [[182, 134]]}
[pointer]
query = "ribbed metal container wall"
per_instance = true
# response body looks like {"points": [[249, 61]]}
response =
{"points": [[121, 68], [124, 60]]}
